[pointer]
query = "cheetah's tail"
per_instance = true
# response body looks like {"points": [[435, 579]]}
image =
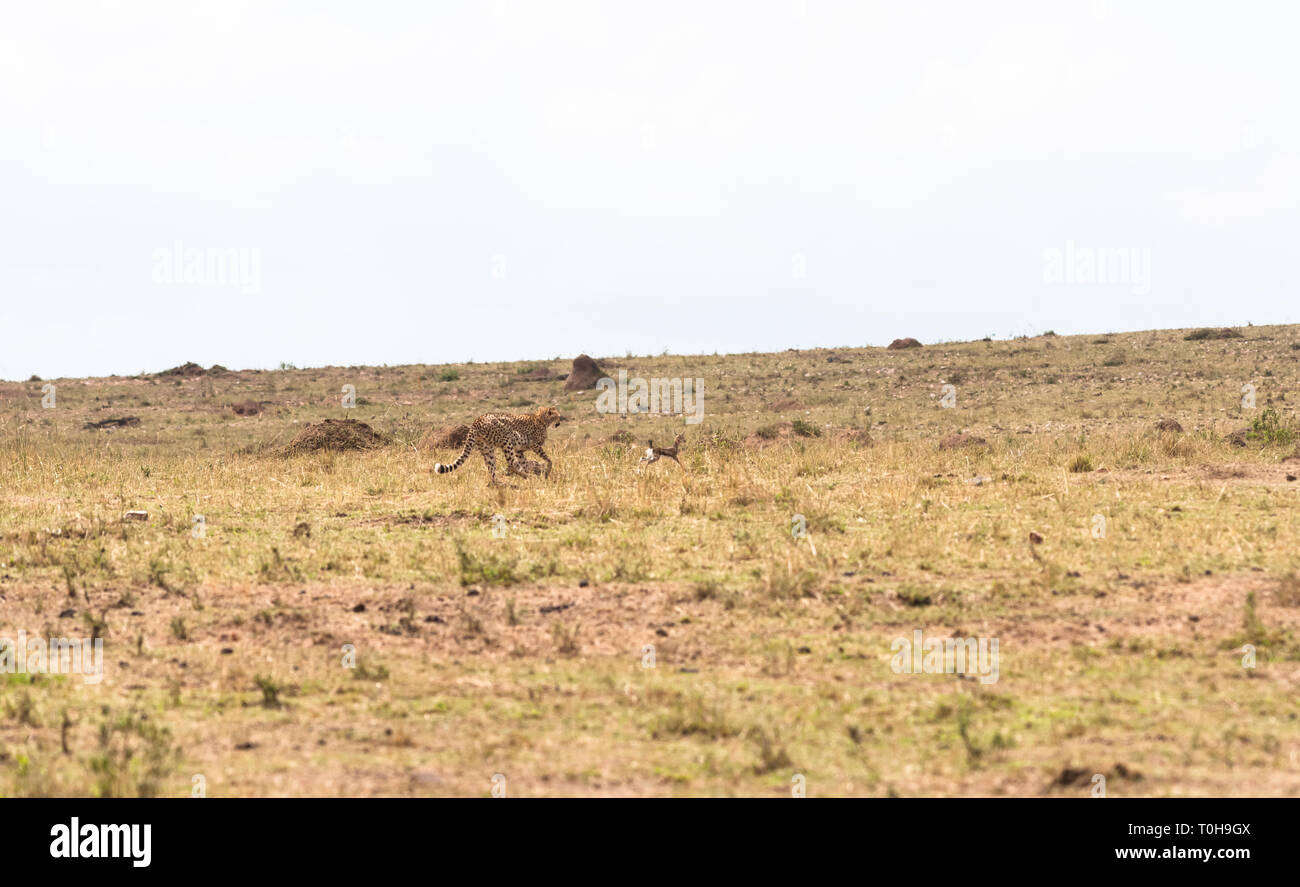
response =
{"points": [[443, 469]]}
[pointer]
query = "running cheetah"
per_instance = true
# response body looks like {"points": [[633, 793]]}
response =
{"points": [[516, 433]]}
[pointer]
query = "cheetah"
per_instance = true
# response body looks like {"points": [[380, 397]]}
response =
{"points": [[516, 433]]}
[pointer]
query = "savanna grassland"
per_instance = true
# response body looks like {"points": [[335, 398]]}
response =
{"points": [[1121, 567]]}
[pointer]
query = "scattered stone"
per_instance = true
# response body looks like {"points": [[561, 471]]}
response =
{"points": [[1035, 538], [899, 344], [1169, 425], [136, 515], [246, 408]]}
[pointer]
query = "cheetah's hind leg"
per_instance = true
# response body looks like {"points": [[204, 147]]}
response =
{"points": [[490, 460], [516, 464]]}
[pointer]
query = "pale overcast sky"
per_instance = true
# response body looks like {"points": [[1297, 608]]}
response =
{"points": [[434, 182]]}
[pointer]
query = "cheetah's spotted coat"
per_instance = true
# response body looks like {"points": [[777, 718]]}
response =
{"points": [[516, 434]]}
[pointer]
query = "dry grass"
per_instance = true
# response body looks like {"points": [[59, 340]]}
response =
{"points": [[517, 645]]}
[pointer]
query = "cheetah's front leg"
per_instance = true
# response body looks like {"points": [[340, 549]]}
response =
{"points": [[545, 458]]}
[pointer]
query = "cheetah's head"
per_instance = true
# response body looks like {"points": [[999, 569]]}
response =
{"points": [[550, 416]]}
